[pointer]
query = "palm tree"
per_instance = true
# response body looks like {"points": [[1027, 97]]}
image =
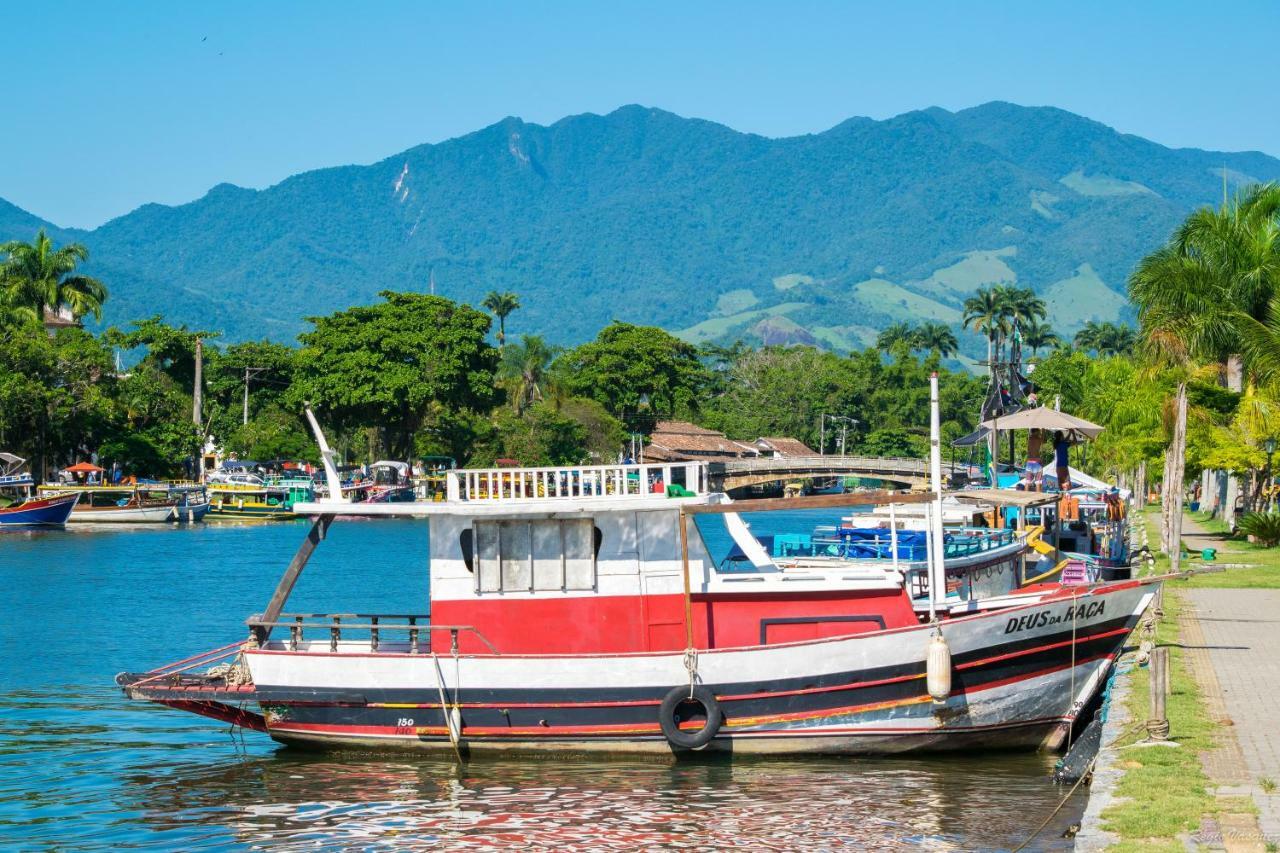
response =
{"points": [[1207, 294], [1022, 305], [895, 334], [37, 276], [501, 304], [526, 369], [1037, 334], [1106, 339], [984, 312], [937, 337]]}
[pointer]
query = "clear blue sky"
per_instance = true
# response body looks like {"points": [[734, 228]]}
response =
{"points": [[111, 105]]}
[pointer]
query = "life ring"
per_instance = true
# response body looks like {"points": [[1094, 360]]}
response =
{"points": [[669, 717]]}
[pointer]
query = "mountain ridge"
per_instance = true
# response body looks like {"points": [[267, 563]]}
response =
{"points": [[643, 215]]}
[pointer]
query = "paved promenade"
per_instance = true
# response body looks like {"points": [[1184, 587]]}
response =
{"points": [[1241, 631], [1233, 643]]}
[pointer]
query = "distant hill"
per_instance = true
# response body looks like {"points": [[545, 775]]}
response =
{"points": [[645, 216]]}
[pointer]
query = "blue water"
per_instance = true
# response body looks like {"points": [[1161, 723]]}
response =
{"points": [[81, 767]]}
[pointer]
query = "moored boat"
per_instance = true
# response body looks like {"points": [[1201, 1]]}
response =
{"points": [[578, 609], [133, 503], [19, 508], [271, 501]]}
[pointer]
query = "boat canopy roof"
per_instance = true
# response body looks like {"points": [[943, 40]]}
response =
{"points": [[9, 464], [1006, 497], [1045, 418]]}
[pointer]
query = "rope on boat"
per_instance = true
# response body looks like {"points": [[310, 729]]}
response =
{"points": [[1039, 829], [454, 736], [233, 674], [691, 666]]}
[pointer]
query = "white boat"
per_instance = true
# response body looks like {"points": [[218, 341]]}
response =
{"points": [[140, 503]]}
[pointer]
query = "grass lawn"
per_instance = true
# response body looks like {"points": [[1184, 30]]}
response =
{"points": [[1265, 574], [1167, 790]]}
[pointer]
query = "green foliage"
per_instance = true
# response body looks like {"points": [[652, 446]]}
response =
{"points": [[501, 304], [397, 364], [1262, 526], [272, 434], [171, 349], [785, 391], [893, 442], [626, 364], [1106, 339], [930, 336], [35, 277]]}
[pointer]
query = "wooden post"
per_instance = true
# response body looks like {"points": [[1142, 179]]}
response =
{"points": [[319, 527], [1157, 722], [688, 593], [1177, 465], [197, 391]]}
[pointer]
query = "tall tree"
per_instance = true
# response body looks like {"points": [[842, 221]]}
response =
{"points": [[396, 365], [1208, 293], [1039, 335], [1106, 339], [934, 336], [525, 368], [985, 313], [626, 364], [896, 334], [501, 305], [38, 276]]}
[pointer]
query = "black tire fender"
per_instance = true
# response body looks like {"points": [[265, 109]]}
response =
{"points": [[669, 717]]}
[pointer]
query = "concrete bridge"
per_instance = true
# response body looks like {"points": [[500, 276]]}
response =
{"points": [[740, 473]]}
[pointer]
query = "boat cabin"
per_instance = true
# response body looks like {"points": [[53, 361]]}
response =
{"points": [[592, 559]]}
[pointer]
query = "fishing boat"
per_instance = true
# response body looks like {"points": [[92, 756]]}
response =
{"points": [[578, 609], [132, 503], [272, 499], [19, 508]]}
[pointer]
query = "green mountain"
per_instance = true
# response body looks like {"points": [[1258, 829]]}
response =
{"points": [[645, 216]]}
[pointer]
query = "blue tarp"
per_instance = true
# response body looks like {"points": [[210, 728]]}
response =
{"points": [[875, 543]]}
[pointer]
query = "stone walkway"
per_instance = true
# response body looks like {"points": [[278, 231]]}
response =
{"points": [[1233, 642], [1241, 630]]}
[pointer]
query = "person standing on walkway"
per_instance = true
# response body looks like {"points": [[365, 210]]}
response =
{"points": [[1060, 459]]}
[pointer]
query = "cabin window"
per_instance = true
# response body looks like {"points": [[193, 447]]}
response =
{"points": [[530, 556]]}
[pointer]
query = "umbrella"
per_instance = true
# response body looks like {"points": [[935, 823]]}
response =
{"points": [[1048, 419], [84, 468]]}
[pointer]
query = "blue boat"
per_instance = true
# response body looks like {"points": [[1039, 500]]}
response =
{"points": [[19, 509]]}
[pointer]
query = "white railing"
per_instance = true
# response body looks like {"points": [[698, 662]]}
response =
{"points": [[575, 481]]}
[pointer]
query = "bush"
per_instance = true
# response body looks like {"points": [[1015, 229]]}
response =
{"points": [[1262, 526]]}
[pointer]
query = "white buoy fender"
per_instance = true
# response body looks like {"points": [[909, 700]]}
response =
{"points": [[938, 668]]}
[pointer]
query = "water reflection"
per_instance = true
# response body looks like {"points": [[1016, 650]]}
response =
{"points": [[82, 768], [293, 800]]}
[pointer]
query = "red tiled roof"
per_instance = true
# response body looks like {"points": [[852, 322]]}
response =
{"points": [[784, 446]]}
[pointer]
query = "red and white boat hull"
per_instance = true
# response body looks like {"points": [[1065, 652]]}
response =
{"points": [[1019, 678]]}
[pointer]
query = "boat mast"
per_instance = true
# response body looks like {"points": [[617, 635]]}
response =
{"points": [[937, 564]]}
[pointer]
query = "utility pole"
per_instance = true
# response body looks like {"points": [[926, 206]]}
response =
{"points": [[822, 432], [249, 373], [197, 393]]}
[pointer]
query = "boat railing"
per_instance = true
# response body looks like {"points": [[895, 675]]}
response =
{"points": [[683, 479], [827, 542], [333, 625]]}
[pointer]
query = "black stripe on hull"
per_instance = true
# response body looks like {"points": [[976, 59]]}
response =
{"points": [[901, 688]]}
